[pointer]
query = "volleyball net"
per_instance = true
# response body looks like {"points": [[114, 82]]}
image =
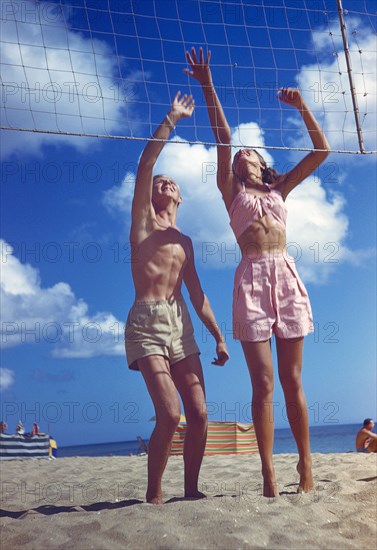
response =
{"points": [[111, 68]]}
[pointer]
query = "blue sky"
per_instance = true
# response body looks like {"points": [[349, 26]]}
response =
{"points": [[65, 209]]}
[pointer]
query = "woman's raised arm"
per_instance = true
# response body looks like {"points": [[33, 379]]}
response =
{"points": [[200, 70], [292, 97]]}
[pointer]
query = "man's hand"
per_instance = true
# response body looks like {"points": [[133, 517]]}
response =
{"points": [[292, 97], [199, 69], [182, 107], [222, 354]]}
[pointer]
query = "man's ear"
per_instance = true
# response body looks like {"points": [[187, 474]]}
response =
{"points": [[180, 200]]}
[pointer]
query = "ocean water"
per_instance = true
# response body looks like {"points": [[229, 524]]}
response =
{"points": [[334, 438]]}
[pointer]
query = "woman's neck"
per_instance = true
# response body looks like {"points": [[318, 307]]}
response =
{"points": [[256, 184]]}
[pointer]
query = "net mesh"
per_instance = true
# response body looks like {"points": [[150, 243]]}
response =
{"points": [[111, 68]]}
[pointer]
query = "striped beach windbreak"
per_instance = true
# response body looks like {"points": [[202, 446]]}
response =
{"points": [[223, 438], [21, 446]]}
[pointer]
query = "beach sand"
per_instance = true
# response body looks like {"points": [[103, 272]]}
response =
{"points": [[98, 503]]}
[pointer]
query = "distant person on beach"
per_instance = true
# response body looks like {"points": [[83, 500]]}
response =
{"points": [[143, 447], [20, 430], [366, 440], [3, 427], [159, 335]]}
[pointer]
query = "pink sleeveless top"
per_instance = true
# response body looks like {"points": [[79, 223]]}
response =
{"points": [[246, 209]]}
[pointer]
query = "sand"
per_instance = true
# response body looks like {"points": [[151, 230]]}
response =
{"points": [[84, 503]]}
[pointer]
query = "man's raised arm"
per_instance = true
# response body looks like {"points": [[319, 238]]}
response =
{"points": [[142, 201]]}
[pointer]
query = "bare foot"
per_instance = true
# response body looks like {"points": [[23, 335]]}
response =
{"points": [[270, 490], [270, 487], [194, 494], [306, 478], [154, 499]]}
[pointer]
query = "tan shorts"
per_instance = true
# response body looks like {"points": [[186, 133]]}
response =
{"points": [[159, 328]]}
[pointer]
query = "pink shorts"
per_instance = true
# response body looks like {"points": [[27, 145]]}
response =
{"points": [[269, 297]]}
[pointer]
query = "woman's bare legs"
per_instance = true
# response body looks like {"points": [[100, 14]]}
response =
{"points": [[188, 378], [156, 372], [259, 360], [290, 366]]}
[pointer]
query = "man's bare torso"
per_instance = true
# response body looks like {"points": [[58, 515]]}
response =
{"points": [[158, 263], [362, 439]]}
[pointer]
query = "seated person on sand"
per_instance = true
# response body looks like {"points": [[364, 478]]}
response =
{"points": [[3, 427], [20, 430], [143, 447], [366, 440]]}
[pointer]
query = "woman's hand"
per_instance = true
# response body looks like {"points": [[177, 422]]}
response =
{"points": [[199, 69], [182, 107], [291, 96]]}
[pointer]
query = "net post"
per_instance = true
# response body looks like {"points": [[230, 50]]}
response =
{"points": [[350, 77]]}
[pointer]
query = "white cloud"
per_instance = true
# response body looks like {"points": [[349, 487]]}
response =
{"points": [[33, 314], [14, 281], [56, 79], [119, 198], [317, 227], [6, 378]]}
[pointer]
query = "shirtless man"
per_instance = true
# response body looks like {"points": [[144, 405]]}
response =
{"points": [[159, 333], [366, 440]]}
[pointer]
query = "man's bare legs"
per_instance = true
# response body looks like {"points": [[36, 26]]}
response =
{"points": [[290, 365], [156, 373], [162, 383], [188, 378], [259, 360]]}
